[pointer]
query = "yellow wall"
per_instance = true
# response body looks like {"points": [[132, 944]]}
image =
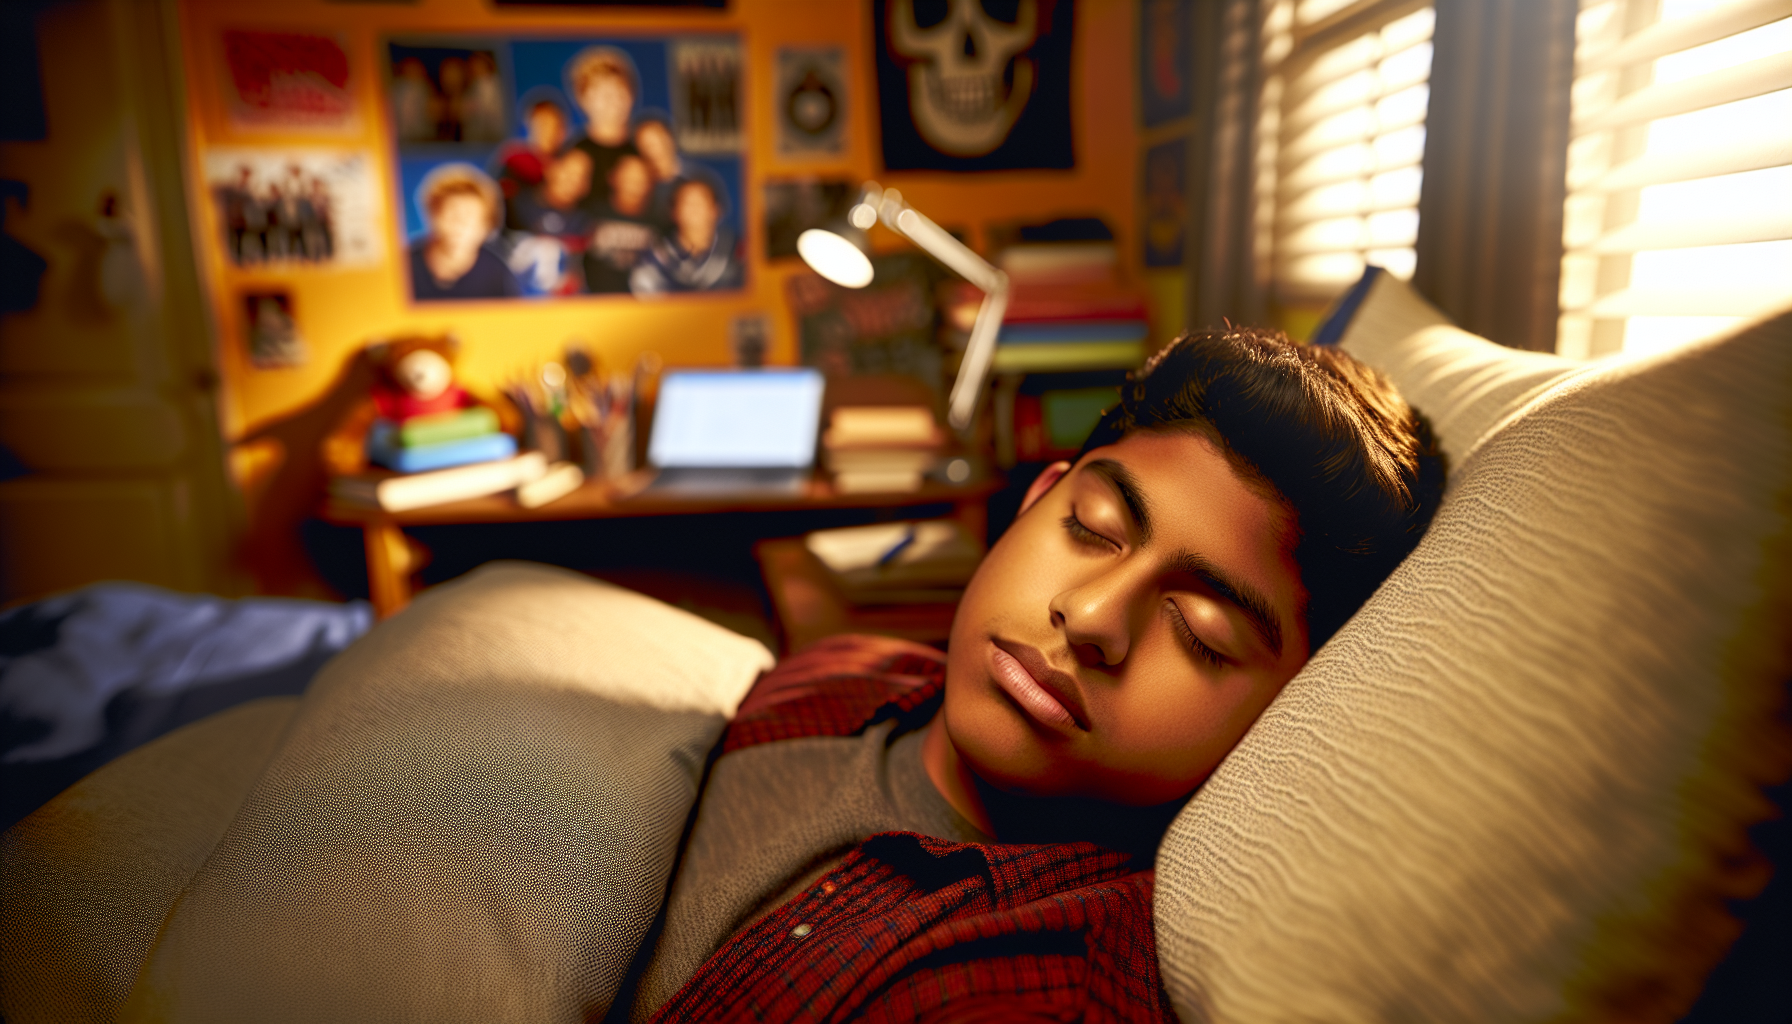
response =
{"points": [[339, 311]]}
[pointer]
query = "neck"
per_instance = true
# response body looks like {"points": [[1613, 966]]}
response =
{"points": [[696, 245], [1031, 819], [952, 777], [448, 264], [607, 136]]}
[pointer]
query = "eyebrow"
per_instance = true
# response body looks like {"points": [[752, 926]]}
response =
{"points": [[1122, 480]]}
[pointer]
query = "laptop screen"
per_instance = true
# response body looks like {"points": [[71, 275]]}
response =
{"points": [[736, 419]]}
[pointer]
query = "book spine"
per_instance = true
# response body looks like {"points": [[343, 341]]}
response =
{"points": [[1059, 355], [403, 493], [451, 453], [1079, 331], [415, 433]]}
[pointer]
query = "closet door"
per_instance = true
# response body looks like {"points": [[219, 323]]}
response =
{"points": [[107, 384]]}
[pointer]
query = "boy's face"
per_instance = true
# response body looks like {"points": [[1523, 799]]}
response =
{"points": [[461, 223], [547, 129], [694, 209], [1127, 629], [607, 102], [630, 185], [567, 179], [656, 145]]}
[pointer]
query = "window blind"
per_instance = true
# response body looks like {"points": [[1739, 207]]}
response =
{"points": [[1678, 223], [1342, 135]]}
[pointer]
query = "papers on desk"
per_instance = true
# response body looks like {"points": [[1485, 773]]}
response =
{"points": [[898, 563]]}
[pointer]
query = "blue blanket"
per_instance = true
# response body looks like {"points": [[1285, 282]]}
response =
{"points": [[89, 675]]}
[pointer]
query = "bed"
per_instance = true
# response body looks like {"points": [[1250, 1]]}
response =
{"points": [[1516, 786]]}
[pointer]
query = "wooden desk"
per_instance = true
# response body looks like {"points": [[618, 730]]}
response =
{"points": [[810, 606], [392, 559]]}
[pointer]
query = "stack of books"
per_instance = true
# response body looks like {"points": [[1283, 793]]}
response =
{"points": [[898, 563], [439, 440], [1068, 311], [881, 449], [452, 456]]}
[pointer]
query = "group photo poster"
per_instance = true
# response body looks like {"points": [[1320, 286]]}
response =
{"points": [[544, 167], [295, 206]]}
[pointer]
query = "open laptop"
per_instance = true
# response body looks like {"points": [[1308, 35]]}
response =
{"points": [[729, 431]]}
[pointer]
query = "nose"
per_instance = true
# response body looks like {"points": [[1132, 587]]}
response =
{"points": [[1094, 619]]}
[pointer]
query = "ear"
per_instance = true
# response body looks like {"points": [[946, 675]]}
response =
{"points": [[1047, 477]]}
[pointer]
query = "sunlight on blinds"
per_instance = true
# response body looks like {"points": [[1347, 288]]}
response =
{"points": [[1344, 127], [1678, 222]]}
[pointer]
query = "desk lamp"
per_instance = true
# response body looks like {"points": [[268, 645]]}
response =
{"points": [[836, 257]]}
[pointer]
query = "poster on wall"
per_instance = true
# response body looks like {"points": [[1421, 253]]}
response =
{"points": [[286, 80], [1166, 90], [295, 207], [793, 207], [558, 167], [1166, 202], [811, 101], [272, 333], [969, 85]]}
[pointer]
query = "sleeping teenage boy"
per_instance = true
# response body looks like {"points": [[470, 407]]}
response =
{"points": [[893, 834]]}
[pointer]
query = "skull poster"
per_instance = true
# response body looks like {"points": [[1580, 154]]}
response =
{"points": [[974, 85], [560, 167]]}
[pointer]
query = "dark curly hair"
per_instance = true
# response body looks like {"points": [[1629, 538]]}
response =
{"points": [[1331, 440]]}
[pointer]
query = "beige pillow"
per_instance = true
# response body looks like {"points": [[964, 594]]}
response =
{"points": [[1514, 786], [472, 816], [86, 879]]}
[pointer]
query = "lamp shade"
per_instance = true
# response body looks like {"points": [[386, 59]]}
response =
{"points": [[834, 257]]}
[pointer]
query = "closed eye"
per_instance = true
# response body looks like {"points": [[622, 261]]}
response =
{"points": [[1188, 637], [1082, 534]]}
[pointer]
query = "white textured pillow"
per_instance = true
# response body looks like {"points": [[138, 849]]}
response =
{"points": [[1509, 788], [472, 816]]}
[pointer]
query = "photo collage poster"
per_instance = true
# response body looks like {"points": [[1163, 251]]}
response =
{"points": [[543, 167]]}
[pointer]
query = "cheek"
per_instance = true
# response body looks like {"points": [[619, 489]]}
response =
{"points": [[1013, 585], [1170, 728]]}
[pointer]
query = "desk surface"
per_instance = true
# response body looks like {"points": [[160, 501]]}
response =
{"points": [[628, 498]]}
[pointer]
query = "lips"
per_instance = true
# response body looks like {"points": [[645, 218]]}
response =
{"points": [[1043, 692]]}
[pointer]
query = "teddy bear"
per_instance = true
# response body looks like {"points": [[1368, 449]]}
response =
{"points": [[413, 376]]}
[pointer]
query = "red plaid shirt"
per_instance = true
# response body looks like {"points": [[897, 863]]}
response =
{"points": [[913, 928]]}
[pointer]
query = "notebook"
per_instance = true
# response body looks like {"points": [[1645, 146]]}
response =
{"points": [[722, 431]]}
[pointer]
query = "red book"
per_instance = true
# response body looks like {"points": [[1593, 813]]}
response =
{"points": [[1040, 303]]}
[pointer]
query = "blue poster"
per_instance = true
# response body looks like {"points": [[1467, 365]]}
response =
{"points": [[1166, 89], [1165, 190], [555, 167]]}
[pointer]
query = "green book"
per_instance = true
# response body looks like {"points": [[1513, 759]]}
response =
{"points": [[1050, 356], [447, 426]]}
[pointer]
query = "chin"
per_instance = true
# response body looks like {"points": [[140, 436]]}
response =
{"points": [[994, 739]]}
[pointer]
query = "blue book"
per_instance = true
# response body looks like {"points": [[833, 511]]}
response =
{"points": [[382, 448], [1073, 331]]}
